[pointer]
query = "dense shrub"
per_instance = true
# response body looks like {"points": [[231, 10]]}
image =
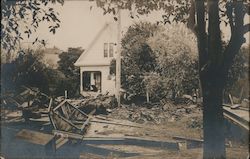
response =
{"points": [[27, 69], [137, 57], [176, 55]]}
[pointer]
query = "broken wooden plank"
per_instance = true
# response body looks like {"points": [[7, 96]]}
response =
{"points": [[102, 118], [67, 134], [231, 99], [64, 110], [187, 138], [78, 109], [88, 120], [52, 121], [34, 137], [85, 123], [46, 141], [115, 123], [105, 152], [241, 117], [136, 141], [236, 106], [58, 106], [236, 121], [50, 104], [49, 113]]}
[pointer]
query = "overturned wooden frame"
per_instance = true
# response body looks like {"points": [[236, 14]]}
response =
{"points": [[66, 117]]}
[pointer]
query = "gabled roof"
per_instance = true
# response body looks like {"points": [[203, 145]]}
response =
{"points": [[96, 62]]}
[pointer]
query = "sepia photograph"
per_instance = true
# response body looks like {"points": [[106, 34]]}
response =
{"points": [[125, 79]]}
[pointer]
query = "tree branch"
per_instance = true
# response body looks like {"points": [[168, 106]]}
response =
{"points": [[237, 36], [201, 32], [191, 18], [214, 36], [229, 13], [246, 28]]}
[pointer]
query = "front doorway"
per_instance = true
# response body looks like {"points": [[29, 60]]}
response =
{"points": [[92, 81]]}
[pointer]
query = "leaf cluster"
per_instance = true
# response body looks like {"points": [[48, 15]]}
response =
{"points": [[22, 18]]}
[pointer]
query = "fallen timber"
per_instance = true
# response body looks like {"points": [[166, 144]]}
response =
{"points": [[46, 141], [136, 141], [236, 115]]}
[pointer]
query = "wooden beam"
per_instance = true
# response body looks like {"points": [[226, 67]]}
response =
{"points": [[59, 105], [114, 123], [121, 141], [50, 104], [187, 139], [64, 110], [86, 122], [52, 121], [34, 137], [78, 109], [237, 122], [49, 113]]}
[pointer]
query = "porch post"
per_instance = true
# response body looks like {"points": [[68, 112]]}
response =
{"points": [[118, 60], [81, 80]]}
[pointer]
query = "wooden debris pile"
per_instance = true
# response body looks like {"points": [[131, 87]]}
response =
{"points": [[158, 113], [100, 103], [31, 101], [66, 117]]}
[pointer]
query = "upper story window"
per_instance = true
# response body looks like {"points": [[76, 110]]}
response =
{"points": [[106, 46], [109, 49]]}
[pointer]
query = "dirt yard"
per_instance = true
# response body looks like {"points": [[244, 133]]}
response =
{"points": [[133, 131]]}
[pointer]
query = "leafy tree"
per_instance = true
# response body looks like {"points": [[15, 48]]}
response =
{"points": [[21, 18], [137, 57], [67, 60], [55, 78], [71, 73], [238, 82], [27, 69], [146, 57], [157, 86], [176, 56], [214, 62]]}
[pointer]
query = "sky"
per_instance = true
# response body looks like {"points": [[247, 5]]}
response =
{"points": [[79, 25]]}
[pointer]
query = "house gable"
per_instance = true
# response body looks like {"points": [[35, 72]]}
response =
{"points": [[94, 54]]}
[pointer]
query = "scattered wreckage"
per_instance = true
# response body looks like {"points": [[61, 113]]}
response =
{"points": [[81, 120]]}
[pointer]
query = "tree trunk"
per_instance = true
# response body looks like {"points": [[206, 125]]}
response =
{"points": [[213, 119], [213, 68], [212, 80]]}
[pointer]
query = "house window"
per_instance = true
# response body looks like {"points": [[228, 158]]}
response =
{"points": [[109, 49], [92, 81], [106, 49]]}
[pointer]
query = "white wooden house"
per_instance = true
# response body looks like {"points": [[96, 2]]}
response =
{"points": [[94, 63]]}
